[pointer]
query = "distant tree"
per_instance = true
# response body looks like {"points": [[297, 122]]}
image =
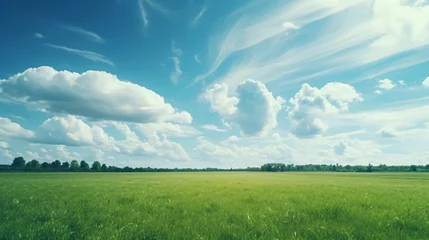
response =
{"points": [[96, 166], [33, 164], [369, 168], [104, 168], [46, 165], [74, 165], [413, 168], [84, 166], [18, 162], [56, 164], [65, 165]]}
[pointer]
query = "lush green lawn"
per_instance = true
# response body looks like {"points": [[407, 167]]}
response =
{"points": [[214, 206]]}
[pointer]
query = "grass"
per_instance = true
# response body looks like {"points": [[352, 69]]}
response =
{"points": [[214, 206]]}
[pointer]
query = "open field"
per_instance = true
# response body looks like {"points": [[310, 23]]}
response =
{"points": [[214, 206]]}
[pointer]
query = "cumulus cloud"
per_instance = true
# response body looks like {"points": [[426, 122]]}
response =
{"points": [[72, 131], [4, 144], [310, 106], [6, 154], [153, 145], [254, 108], [386, 84], [13, 130], [378, 92], [220, 102], [94, 94], [257, 108], [425, 83]]}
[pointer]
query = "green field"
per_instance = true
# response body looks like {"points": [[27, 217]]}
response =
{"points": [[214, 206]]}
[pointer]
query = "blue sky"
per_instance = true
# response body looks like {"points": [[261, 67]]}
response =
{"points": [[167, 83]]}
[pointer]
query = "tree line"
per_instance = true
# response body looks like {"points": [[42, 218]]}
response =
{"points": [[20, 164], [281, 167]]}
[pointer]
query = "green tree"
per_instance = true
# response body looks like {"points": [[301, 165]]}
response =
{"points": [[33, 164], [84, 166], [46, 165], [18, 162], [104, 168], [413, 168], [74, 165], [369, 168], [96, 166], [65, 165], [56, 164]]}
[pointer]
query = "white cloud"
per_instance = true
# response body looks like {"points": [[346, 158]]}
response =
{"points": [[212, 127], [220, 102], [378, 92], [199, 15], [175, 75], [4, 144], [91, 35], [167, 128], [154, 145], [6, 154], [401, 82], [72, 131], [290, 25], [63, 153], [154, 5], [38, 35], [386, 84], [197, 59], [31, 155], [425, 83], [96, 57], [354, 33], [257, 108], [254, 108], [157, 6], [143, 13], [13, 130], [242, 152], [93, 94], [311, 106]]}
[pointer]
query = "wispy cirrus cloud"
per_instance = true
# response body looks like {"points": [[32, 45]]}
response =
{"points": [[364, 36], [38, 35], [152, 4], [88, 34], [175, 75], [199, 16], [197, 59], [96, 57]]}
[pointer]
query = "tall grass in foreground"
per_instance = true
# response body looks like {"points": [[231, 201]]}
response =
{"points": [[214, 206]]}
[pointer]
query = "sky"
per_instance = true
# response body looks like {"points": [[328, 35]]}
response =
{"points": [[166, 83]]}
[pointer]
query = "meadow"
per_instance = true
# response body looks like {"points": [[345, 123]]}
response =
{"points": [[225, 205]]}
